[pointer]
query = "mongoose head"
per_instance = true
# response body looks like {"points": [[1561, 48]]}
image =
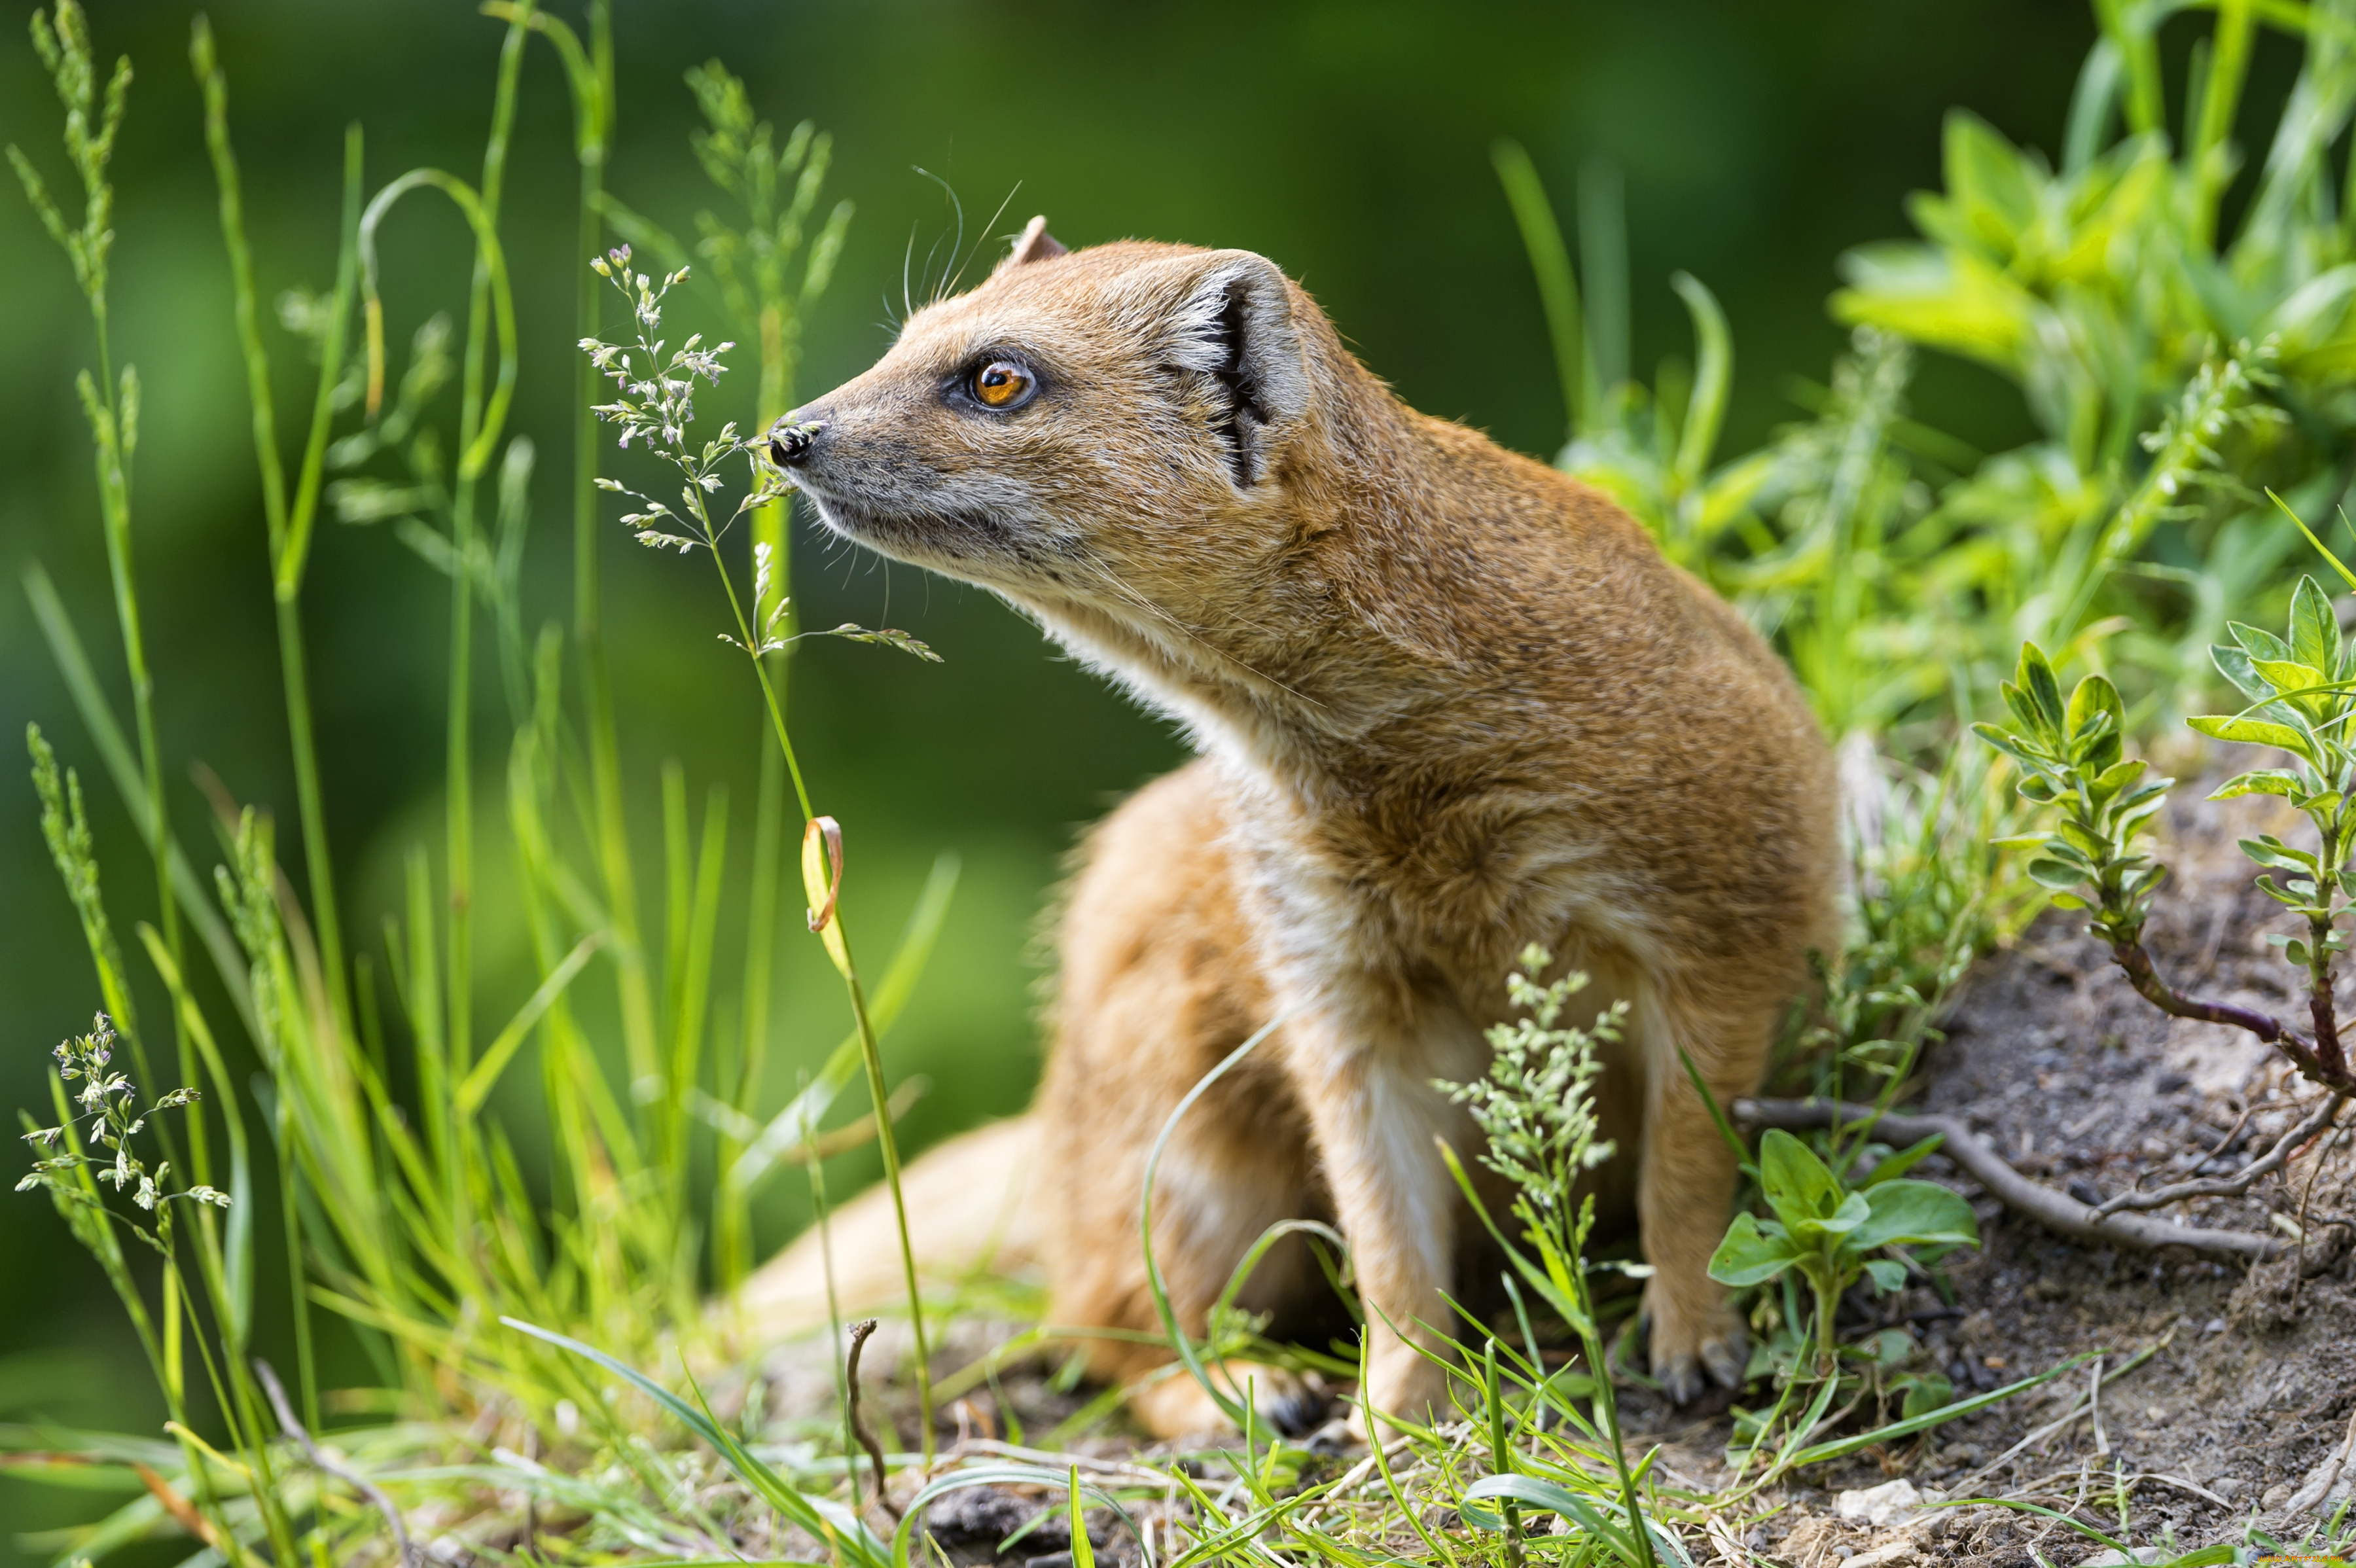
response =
{"points": [[1108, 438]]}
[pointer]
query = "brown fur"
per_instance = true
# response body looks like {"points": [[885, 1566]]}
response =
{"points": [[1450, 702]]}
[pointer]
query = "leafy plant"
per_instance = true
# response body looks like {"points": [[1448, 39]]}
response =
{"points": [[2302, 692], [1537, 1108], [1832, 1235]]}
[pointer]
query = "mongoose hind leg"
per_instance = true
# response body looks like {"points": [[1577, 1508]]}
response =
{"points": [[1158, 986]]}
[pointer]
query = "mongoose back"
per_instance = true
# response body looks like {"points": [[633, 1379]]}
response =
{"points": [[1448, 703]]}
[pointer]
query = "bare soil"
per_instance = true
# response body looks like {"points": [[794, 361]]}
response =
{"points": [[2053, 1057]]}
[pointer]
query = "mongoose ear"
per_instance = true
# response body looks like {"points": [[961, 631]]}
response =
{"points": [[1236, 325], [1034, 245]]}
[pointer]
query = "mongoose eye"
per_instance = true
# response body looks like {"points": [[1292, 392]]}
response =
{"points": [[1001, 384]]}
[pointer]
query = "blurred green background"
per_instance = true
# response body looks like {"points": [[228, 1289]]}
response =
{"points": [[1347, 141]]}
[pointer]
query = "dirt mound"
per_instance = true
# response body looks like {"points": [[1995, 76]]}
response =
{"points": [[2083, 1085]]}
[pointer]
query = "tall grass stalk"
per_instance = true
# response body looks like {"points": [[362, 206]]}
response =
{"points": [[655, 403]]}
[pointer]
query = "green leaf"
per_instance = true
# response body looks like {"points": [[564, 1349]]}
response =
{"points": [[1833, 1448], [2268, 850], [2257, 643], [1529, 1492], [1887, 1275], [2288, 675], [2095, 721], [2265, 885], [1749, 1256], [822, 1517], [1925, 1391], [2035, 678], [2252, 732], [1083, 1552], [2242, 671], [2259, 781], [2057, 874], [1811, 1230], [1911, 1213], [2010, 744], [1905, 1160], [2114, 778], [2314, 629], [1796, 1183]]}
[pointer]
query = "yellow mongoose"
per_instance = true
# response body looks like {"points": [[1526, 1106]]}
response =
{"points": [[1449, 701]]}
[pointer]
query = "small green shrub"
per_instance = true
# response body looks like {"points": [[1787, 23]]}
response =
{"points": [[2301, 687], [1833, 1235]]}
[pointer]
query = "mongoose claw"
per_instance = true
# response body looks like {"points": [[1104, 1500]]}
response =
{"points": [[1681, 1379], [1726, 1357], [1683, 1373], [1294, 1408]]}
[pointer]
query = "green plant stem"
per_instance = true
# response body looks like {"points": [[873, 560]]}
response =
{"points": [[886, 1140], [289, 530], [590, 72], [1607, 1407], [474, 423], [1501, 1453]]}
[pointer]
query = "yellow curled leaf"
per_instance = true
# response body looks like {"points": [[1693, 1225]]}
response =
{"points": [[822, 882]]}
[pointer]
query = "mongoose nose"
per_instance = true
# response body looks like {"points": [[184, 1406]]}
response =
{"points": [[789, 442]]}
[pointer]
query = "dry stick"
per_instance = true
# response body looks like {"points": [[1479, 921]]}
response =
{"points": [[2322, 1158], [320, 1462], [2327, 1475], [859, 1333], [2241, 1181], [2055, 1210], [2078, 1407]]}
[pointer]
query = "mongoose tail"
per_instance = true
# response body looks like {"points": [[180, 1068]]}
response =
{"points": [[968, 1210]]}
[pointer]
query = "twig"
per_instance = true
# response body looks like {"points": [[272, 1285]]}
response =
{"points": [[2094, 1408], [2224, 1143], [2326, 1476], [2322, 1158], [2181, 1485], [1134, 1473], [2078, 1407], [859, 1333], [2241, 1181], [2320, 1061], [2055, 1210], [321, 1463]]}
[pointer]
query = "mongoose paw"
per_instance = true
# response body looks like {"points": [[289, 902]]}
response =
{"points": [[1178, 1406], [1296, 1411], [1726, 1356], [1688, 1362], [1331, 1438]]}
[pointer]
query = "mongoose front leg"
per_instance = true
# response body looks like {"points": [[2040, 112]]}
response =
{"points": [[1376, 1114]]}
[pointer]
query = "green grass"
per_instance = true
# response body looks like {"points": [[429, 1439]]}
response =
{"points": [[530, 1309]]}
